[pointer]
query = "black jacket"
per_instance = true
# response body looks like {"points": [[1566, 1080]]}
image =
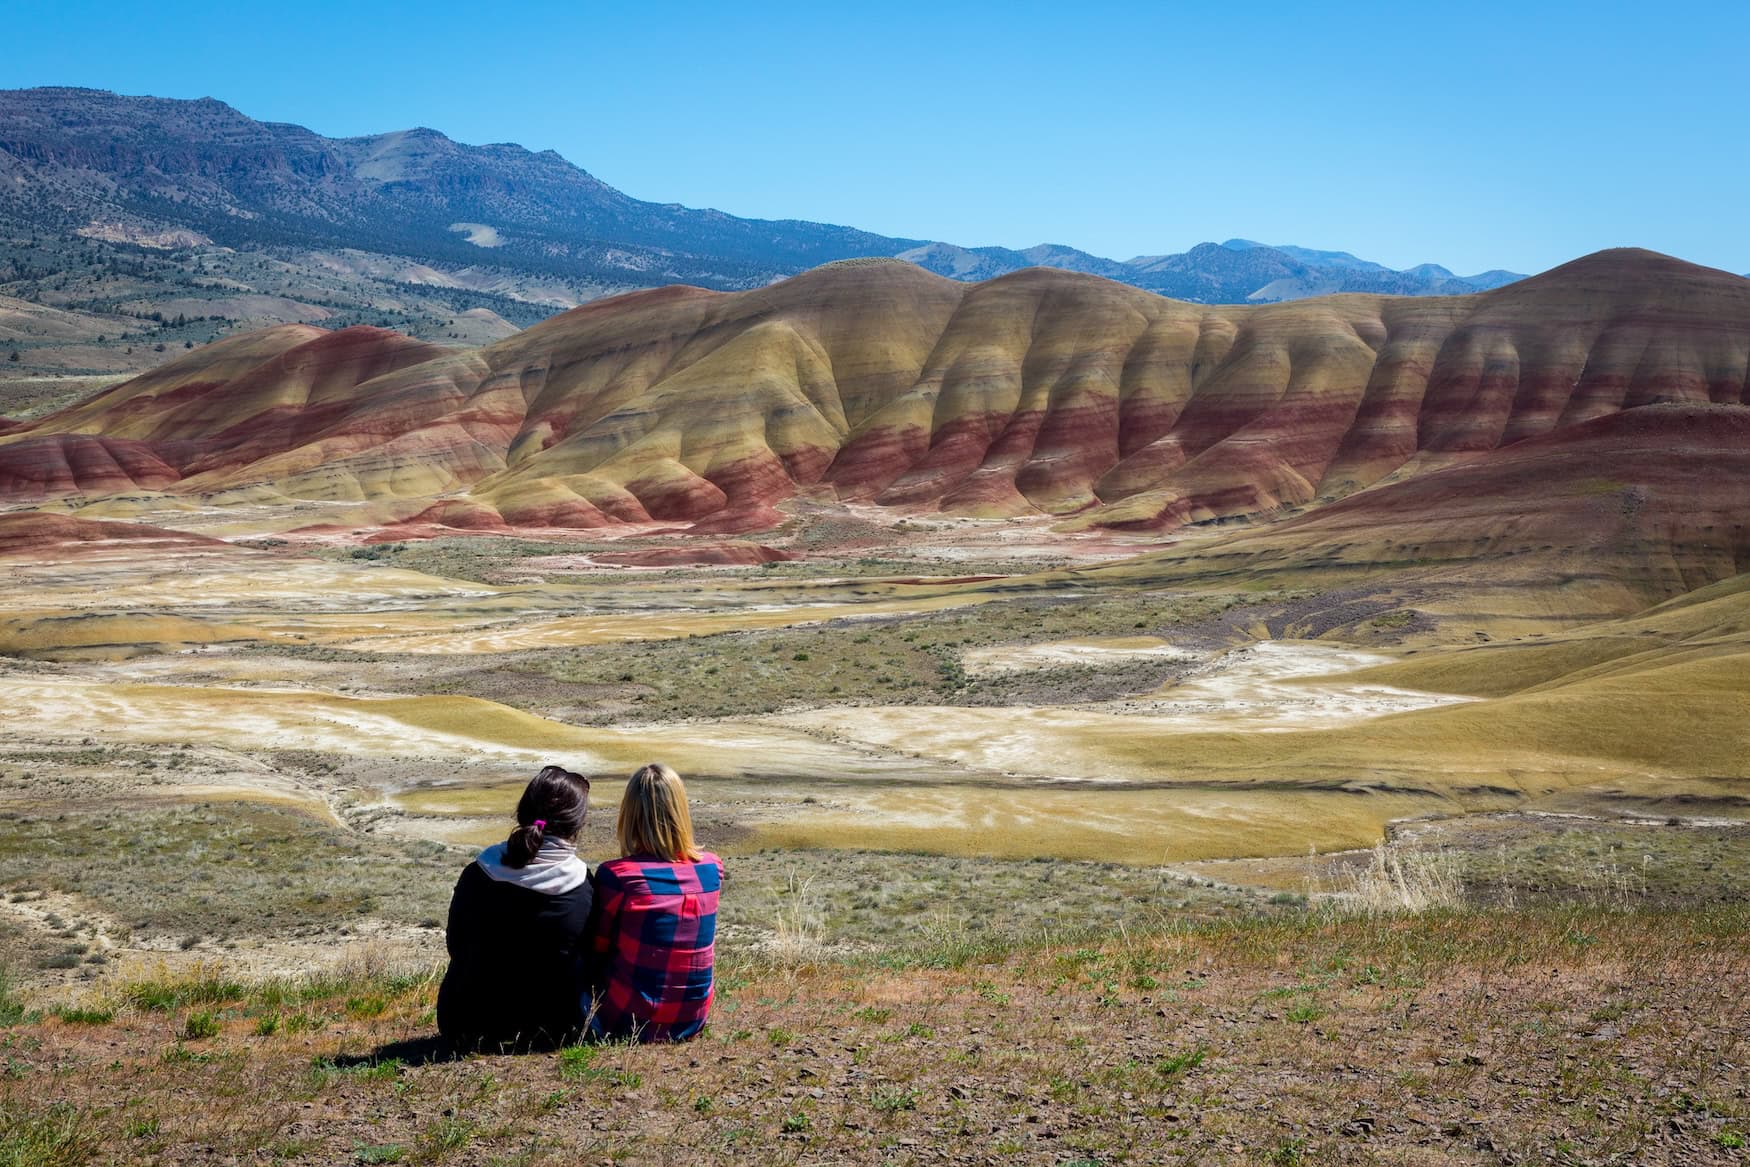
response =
{"points": [[516, 963]]}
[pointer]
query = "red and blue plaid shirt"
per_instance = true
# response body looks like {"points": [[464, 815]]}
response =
{"points": [[652, 937]]}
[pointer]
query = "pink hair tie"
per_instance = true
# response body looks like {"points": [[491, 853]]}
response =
{"points": [[542, 823]]}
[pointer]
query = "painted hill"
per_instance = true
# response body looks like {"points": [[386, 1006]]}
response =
{"points": [[874, 381], [1602, 517], [41, 536]]}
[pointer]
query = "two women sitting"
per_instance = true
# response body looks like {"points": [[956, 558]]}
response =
{"points": [[542, 950]]}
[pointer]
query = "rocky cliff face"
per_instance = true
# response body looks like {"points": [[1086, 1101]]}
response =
{"points": [[1043, 391]]}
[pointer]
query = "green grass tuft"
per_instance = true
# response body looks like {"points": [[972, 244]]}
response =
{"points": [[200, 1025], [60, 1135], [163, 996], [1182, 1063], [892, 1099], [11, 1005]]}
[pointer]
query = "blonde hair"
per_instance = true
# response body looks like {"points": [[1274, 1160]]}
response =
{"points": [[654, 819]]}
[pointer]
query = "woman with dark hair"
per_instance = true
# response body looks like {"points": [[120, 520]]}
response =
{"points": [[653, 934], [516, 927]]}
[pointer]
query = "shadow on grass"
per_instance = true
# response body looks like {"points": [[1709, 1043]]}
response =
{"points": [[435, 1049], [416, 1051]]}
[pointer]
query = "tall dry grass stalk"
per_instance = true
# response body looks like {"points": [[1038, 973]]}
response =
{"points": [[1400, 882], [370, 960], [796, 928]]}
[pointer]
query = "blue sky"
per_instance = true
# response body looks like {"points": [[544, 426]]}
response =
{"points": [[1477, 135]]}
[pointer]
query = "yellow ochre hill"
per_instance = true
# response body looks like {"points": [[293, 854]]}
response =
{"points": [[1040, 392]]}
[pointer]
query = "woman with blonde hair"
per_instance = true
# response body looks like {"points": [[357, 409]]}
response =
{"points": [[654, 925]]}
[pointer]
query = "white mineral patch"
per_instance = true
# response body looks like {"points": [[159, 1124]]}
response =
{"points": [[1284, 685], [1093, 650]]}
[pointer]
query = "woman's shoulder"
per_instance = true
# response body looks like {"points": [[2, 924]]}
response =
{"points": [[475, 873], [636, 868], [709, 871], [612, 871]]}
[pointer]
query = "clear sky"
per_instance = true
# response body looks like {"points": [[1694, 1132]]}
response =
{"points": [[1476, 135]]}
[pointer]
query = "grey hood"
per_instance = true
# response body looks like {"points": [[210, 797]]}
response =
{"points": [[554, 870]]}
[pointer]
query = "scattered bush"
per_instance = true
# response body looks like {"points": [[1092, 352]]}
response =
{"points": [[200, 1025]]}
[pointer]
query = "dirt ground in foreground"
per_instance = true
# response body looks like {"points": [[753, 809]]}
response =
{"points": [[1568, 1037]]}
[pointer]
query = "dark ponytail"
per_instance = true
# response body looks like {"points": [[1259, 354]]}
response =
{"points": [[553, 806]]}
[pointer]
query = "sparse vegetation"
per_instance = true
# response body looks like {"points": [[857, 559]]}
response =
{"points": [[1476, 1023], [906, 660], [209, 873]]}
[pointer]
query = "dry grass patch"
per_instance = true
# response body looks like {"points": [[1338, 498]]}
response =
{"points": [[1579, 1035], [1399, 880]]}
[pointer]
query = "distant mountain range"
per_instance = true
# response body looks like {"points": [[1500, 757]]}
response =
{"points": [[120, 207], [1236, 272]]}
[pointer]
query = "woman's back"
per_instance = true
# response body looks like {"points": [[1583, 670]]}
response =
{"points": [[517, 949], [653, 936], [516, 930]]}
